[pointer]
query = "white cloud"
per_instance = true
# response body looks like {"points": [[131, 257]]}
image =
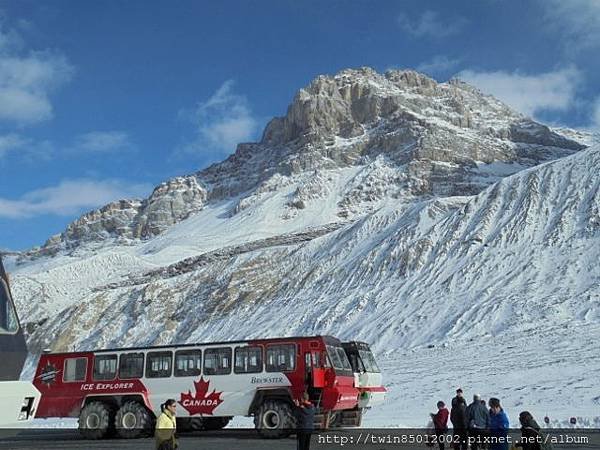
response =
{"points": [[223, 121], [431, 24], [11, 141], [529, 94], [10, 40], [438, 64], [577, 22], [70, 197], [27, 79], [30, 150], [93, 142], [102, 142]]}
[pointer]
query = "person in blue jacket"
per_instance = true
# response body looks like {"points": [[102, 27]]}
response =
{"points": [[498, 425], [305, 411]]}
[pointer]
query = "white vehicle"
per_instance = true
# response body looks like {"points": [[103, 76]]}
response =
{"points": [[19, 399], [367, 375]]}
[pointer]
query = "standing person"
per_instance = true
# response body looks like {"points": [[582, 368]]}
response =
{"points": [[529, 429], [485, 445], [498, 425], [440, 423], [478, 419], [306, 421], [458, 417], [166, 425]]}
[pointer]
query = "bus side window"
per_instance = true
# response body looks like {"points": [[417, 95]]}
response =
{"points": [[131, 365], [105, 367], [248, 360], [158, 364], [217, 361], [75, 369], [281, 358], [8, 318], [188, 363], [316, 359]]}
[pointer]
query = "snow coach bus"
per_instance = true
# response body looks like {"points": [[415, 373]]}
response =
{"points": [[119, 391], [18, 398]]}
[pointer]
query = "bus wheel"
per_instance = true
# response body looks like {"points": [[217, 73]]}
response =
{"points": [[96, 420], [189, 424], [274, 419], [133, 420], [215, 423]]}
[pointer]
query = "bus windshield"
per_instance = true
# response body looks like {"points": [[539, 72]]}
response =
{"points": [[8, 317], [338, 358], [368, 361]]}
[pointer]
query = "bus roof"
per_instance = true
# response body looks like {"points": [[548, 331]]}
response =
{"points": [[328, 340]]}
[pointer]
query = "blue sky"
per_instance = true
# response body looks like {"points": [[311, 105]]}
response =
{"points": [[103, 100]]}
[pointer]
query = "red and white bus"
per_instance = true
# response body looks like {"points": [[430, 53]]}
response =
{"points": [[120, 390]]}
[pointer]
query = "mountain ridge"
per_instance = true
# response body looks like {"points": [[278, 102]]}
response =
{"points": [[415, 137], [425, 218], [366, 239], [377, 278]]}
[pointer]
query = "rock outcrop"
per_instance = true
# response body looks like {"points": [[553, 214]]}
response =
{"points": [[413, 136], [127, 220]]}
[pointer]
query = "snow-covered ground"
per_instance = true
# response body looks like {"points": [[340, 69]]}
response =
{"points": [[551, 371], [505, 284], [419, 243]]}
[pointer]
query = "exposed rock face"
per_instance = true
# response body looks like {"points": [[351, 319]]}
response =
{"points": [[432, 133], [170, 203], [413, 136], [125, 220], [113, 219]]}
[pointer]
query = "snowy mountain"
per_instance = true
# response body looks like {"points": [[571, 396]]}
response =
{"points": [[387, 208], [400, 135]]}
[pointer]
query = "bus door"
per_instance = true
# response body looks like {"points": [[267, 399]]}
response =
{"points": [[315, 371]]}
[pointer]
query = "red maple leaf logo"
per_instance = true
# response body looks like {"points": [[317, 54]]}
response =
{"points": [[200, 403]]}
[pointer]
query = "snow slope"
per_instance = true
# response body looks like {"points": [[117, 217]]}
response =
{"points": [[508, 278], [487, 248]]}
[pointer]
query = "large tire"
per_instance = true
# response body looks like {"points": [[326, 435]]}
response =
{"points": [[335, 419], [215, 423], [351, 417], [274, 419], [189, 424], [133, 420], [96, 420]]}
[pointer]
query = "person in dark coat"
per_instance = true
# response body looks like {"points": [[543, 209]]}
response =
{"points": [[498, 425], [305, 413], [530, 432], [478, 420], [458, 417], [440, 423]]}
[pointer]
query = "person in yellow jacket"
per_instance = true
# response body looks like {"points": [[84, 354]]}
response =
{"points": [[166, 426]]}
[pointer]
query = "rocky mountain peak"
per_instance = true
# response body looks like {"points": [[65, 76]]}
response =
{"points": [[408, 135], [343, 104], [346, 103], [358, 115]]}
